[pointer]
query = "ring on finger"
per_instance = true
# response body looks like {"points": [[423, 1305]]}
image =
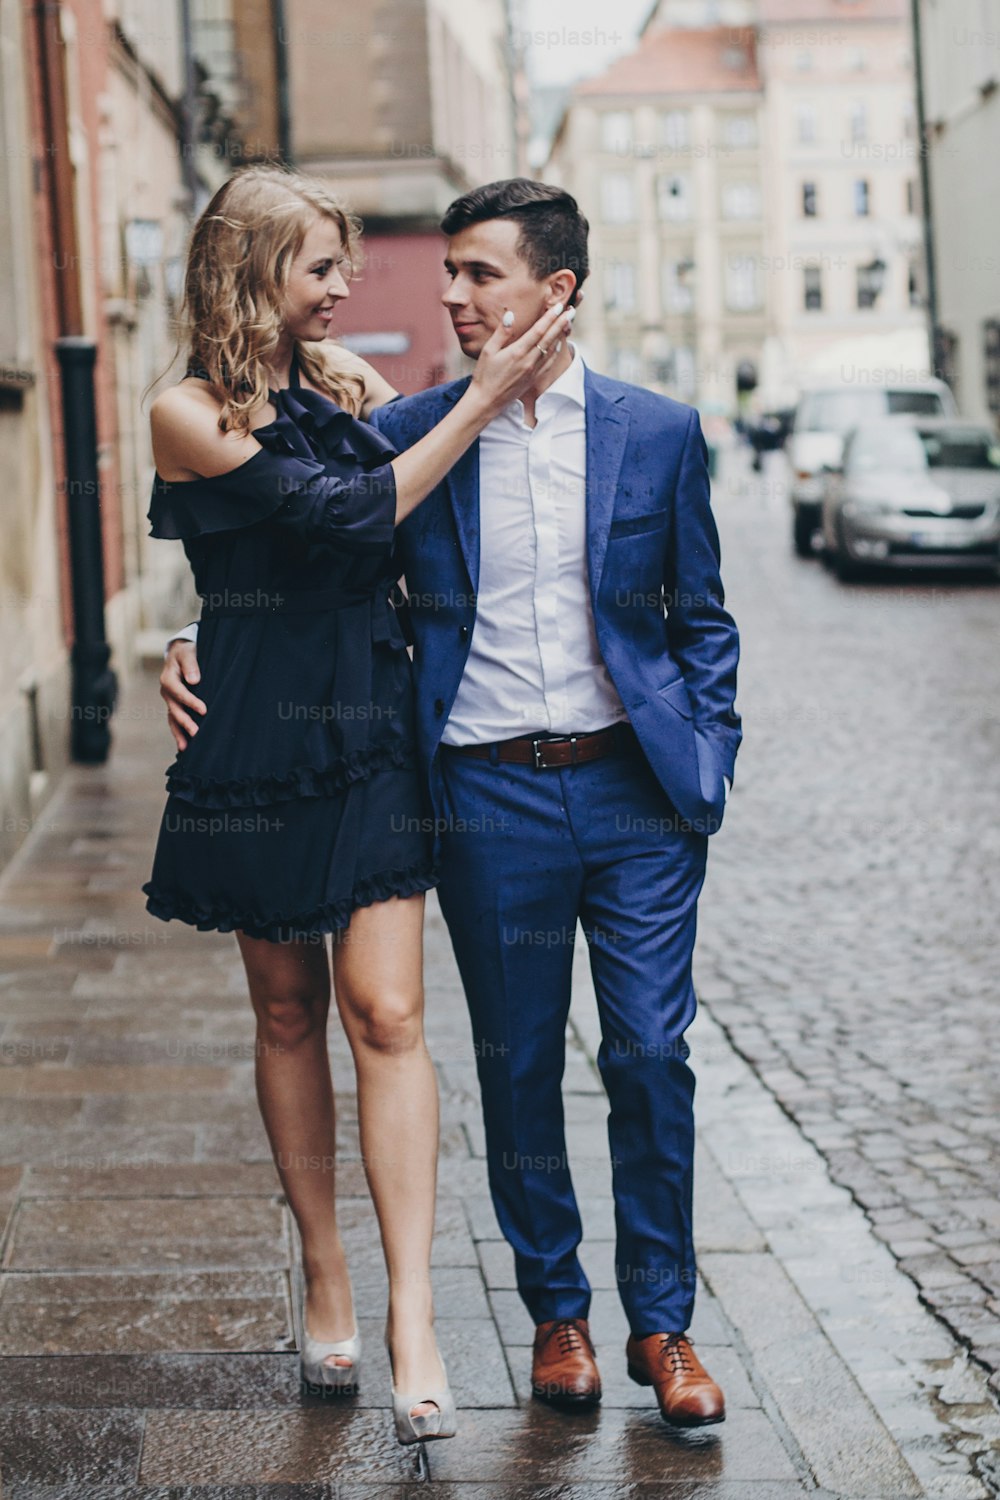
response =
{"points": [[541, 349]]}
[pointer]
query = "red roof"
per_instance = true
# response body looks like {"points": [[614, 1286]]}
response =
{"points": [[719, 59]]}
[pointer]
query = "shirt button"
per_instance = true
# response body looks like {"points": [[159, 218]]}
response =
{"points": [[439, 706], [463, 632]]}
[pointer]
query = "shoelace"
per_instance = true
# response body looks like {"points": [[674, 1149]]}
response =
{"points": [[676, 1348], [569, 1338]]}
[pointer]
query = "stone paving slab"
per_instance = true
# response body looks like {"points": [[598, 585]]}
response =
{"points": [[287, 1447], [91, 1313], [540, 1446], [135, 1234]]}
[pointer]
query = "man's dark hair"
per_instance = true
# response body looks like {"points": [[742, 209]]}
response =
{"points": [[553, 230]]}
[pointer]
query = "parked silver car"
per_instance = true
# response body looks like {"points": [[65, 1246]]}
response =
{"points": [[824, 415], [913, 491]]}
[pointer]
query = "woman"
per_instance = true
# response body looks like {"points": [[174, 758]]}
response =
{"points": [[289, 807]]}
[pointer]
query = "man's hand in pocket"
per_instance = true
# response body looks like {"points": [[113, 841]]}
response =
{"points": [[181, 673]]}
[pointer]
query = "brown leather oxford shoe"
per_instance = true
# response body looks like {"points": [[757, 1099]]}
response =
{"points": [[687, 1394], [563, 1369]]}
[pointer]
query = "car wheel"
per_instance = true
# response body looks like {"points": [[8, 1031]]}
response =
{"points": [[846, 569], [802, 533]]}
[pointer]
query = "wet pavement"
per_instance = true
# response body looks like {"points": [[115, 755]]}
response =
{"points": [[148, 1282], [850, 945]]}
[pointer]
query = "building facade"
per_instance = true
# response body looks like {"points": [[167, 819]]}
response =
{"points": [[402, 108], [961, 71], [663, 153], [772, 216], [845, 251], [116, 123]]}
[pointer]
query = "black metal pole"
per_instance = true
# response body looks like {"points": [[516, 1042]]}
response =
{"points": [[94, 683], [925, 189], [279, 18], [189, 109]]}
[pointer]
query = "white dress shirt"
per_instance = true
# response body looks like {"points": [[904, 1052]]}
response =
{"points": [[533, 659]]}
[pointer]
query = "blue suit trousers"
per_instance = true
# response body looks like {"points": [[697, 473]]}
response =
{"points": [[526, 855]]}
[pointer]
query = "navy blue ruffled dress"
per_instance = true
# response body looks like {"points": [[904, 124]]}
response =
{"points": [[299, 799]]}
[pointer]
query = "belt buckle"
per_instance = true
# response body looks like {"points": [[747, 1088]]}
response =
{"points": [[536, 745]]}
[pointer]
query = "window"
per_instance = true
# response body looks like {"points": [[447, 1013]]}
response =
{"points": [[869, 284], [856, 60], [675, 129], [740, 200], [673, 192], [803, 61], [742, 288], [619, 286], [859, 122], [812, 289], [616, 131], [861, 198], [739, 131], [617, 198], [810, 202], [805, 117], [678, 294]]}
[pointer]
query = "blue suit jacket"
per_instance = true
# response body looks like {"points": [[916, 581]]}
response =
{"points": [[653, 561]]}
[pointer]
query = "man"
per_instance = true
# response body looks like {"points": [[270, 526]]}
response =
{"points": [[575, 674]]}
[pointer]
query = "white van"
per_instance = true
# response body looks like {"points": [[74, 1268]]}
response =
{"points": [[824, 416]]}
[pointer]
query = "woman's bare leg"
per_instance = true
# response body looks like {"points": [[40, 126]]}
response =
{"points": [[290, 991], [378, 982]]}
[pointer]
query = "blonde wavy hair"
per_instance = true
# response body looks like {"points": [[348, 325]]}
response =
{"points": [[238, 265]]}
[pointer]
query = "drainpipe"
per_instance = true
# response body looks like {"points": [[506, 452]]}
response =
{"points": [[189, 108], [94, 685], [925, 189], [279, 21]]}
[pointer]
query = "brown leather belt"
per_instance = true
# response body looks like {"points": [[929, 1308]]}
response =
{"points": [[566, 750]]}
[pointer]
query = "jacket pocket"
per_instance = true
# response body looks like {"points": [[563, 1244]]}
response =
{"points": [[651, 520], [676, 694]]}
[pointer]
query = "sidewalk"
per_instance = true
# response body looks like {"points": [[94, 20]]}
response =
{"points": [[147, 1343]]}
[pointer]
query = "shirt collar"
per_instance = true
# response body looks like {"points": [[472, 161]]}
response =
{"points": [[570, 383]]}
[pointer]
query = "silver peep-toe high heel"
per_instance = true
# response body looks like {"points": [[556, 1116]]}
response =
{"points": [[341, 1380], [422, 1427]]}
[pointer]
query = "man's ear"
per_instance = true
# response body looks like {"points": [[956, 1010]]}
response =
{"points": [[562, 286]]}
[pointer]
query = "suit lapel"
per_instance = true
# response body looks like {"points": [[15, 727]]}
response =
{"points": [[462, 484], [607, 434]]}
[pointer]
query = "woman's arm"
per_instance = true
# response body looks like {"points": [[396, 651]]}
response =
{"points": [[187, 443]]}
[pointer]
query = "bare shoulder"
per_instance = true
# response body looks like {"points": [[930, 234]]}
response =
{"points": [[180, 409], [187, 443]]}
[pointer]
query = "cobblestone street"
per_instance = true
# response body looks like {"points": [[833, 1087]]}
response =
{"points": [[850, 941], [846, 1109]]}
